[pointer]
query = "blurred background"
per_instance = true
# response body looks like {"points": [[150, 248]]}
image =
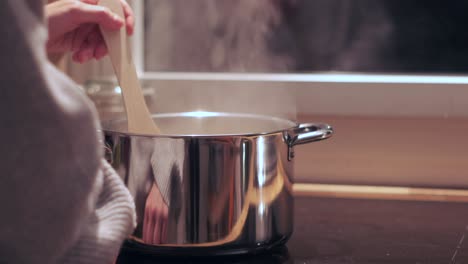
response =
{"points": [[297, 36], [389, 75], [306, 36]]}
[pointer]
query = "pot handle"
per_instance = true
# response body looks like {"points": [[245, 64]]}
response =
{"points": [[306, 133]]}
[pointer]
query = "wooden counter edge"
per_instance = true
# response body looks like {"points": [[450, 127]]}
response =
{"points": [[380, 192]]}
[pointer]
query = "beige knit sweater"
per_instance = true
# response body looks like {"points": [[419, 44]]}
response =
{"points": [[61, 203]]}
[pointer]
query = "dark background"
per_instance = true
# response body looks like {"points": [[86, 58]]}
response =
{"points": [[401, 36], [380, 35]]}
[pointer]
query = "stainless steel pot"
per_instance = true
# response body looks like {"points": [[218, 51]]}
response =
{"points": [[214, 183]]}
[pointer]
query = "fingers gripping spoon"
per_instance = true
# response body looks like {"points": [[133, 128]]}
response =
{"points": [[138, 116]]}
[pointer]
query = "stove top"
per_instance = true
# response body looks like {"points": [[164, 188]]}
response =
{"points": [[342, 231]]}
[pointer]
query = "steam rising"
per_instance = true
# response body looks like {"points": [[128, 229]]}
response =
{"points": [[217, 36], [206, 96]]}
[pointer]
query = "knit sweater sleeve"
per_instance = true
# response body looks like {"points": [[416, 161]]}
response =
{"points": [[61, 203], [108, 225]]}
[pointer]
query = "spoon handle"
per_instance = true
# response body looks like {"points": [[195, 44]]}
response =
{"points": [[138, 116]]}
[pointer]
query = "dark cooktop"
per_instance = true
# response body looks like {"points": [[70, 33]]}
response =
{"points": [[342, 231]]}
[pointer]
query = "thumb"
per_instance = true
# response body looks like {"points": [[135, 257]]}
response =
{"points": [[88, 13]]}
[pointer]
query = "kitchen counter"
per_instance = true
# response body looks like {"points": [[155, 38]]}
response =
{"points": [[342, 231]]}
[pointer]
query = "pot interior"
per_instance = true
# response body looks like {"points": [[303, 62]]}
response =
{"points": [[209, 124]]}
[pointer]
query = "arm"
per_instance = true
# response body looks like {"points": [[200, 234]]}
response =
{"points": [[51, 171]]}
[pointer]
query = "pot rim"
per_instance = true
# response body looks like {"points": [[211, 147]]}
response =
{"points": [[203, 114]]}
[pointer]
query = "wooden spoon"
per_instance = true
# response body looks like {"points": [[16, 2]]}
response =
{"points": [[138, 116]]}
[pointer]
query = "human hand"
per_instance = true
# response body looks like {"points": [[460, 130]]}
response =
{"points": [[74, 27], [155, 218]]}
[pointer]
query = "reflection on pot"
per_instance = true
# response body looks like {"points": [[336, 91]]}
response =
{"points": [[164, 197]]}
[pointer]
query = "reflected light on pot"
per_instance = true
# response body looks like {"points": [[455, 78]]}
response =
{"points": [[200, 114], [118, 90], [261, 161], [261, 209]]}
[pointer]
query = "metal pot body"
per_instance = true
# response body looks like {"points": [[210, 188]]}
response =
{"points": [[210, 194]]}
